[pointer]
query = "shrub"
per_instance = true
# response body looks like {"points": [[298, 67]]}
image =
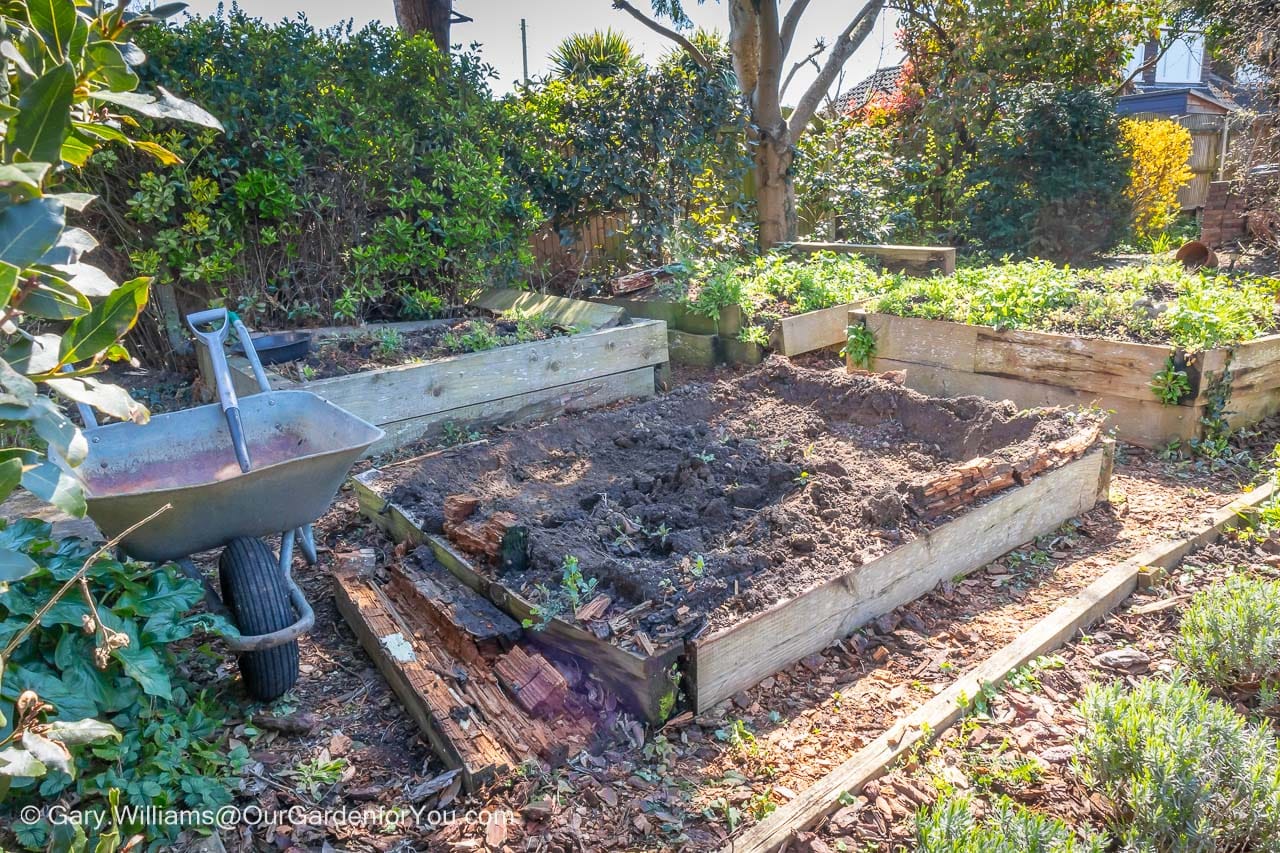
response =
{"points": [[1230, 634], [1185, 771], [1158, 152], [950, 827], [363, 174], [1049, 177]]}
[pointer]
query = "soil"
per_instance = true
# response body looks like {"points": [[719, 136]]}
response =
{"points": [[1023, 747], [719, 500], [347, 354]]}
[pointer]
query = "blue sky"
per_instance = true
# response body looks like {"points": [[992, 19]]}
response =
{"points": [[496, 27]]}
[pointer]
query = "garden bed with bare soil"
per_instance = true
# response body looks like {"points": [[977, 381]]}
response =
{"points": [[740, 525], [471, 331]]}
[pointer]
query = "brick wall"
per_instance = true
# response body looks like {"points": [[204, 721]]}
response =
{"points": [[1221, 221]]}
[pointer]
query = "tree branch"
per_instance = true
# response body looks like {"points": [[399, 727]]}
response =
{"points": [[689, 47], [811, 58], [1174, 36], [768, 103], [853, 36], [789, 23]]}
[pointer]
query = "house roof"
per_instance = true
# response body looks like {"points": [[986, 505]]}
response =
{"points": [[1168, 99], [884, 81]]}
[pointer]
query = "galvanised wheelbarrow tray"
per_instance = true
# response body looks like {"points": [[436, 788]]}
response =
{"points": [[232, 472]]}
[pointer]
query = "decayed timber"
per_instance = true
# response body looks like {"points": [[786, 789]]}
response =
{"points": [[945, 709], [913, 260], [738, 657], [448, 722], [1049, 369], [502, 385]]}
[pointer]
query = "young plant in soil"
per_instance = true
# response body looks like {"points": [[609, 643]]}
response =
{"points": [[1170, 385], [573, 592]]}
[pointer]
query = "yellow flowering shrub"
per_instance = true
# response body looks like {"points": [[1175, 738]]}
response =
{"points": [[1158, 150]]}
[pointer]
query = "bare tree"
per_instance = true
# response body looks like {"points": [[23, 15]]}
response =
{"points": [[759, 40], [432, 16]]}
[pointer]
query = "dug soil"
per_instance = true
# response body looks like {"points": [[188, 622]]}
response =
{"points": [[721, 499], [341, 356]]}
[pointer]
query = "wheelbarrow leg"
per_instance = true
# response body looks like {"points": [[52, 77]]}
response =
{"points": [[308, 540]]}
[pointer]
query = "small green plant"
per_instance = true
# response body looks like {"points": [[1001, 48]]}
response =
{"points": [[720, 809], [1027, 678], [307, 372], [1230, 634], [804, 478], [762, 804], [453, 434], [705, 457], [667, 703], [949, 826], [388, 344], [477, 337], [313, 774], [1186, 771], [1170, 385], [698, 567], [754, 335], [860, 347], [736, 734], [574, 589]]}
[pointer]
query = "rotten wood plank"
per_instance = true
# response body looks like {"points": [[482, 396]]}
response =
{"points": [[537, 685], [944, 710], [455, 735], [740, 656]]}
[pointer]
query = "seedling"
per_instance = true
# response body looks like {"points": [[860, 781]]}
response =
{"points": [[754, 335], [315, 774], [574, 589], [699, 567], [453, 434], [389, 343], [804, 478], [1170, 385], [860, 347], [705, 457]]}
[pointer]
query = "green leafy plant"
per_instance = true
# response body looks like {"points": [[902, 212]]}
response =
{"points": [[389, 344], [477, 337], [69, 89], [757, 335], [1185, 771], [574, 589], [860, 347], [1230, 634], [597, 54], [949, 826], [316, 773], [1171, 384]]}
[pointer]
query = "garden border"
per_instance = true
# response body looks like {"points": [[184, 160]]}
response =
{"points": [[930, 720], [949, 359], [503, 385], [721, 664]]}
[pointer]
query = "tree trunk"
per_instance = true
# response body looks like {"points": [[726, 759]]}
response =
{"points": [[432, 16], [775, 191]]}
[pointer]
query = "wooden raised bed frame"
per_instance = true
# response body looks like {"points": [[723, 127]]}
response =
{"points": [[716, 666], [1032, 369], [512, 383]]}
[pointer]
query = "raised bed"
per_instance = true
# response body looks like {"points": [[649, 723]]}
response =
{"points": [[819, 503], [1050, 369], [611, 362]]}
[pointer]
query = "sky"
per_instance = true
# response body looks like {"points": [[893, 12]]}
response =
{"points": [[496, 27]]}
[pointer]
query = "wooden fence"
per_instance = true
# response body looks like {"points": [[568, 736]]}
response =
{"points": [[1209, 134]]}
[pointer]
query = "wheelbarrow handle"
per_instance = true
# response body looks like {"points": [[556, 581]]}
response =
{"points": [[213, 341]]}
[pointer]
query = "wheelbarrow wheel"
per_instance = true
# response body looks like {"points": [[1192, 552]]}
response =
{"points": [[254, 591]]}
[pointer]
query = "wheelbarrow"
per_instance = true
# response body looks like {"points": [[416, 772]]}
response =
{"points": [[233, 472]]}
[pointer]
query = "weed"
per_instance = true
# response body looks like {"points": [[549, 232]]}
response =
{"points": [[720, 809], [574, 589], [761, 805], [453, 434], [388, 344], [860, 347], [314, 774], [477, 337], [1027, 678], [804, 478], [699, 566], [708, 458], [950, 827], [1185, 771], [1230, 634], [754, 335], [1170, 385]]}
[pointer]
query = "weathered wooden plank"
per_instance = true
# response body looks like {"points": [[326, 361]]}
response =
{"points": [[410, 390], [533, 405], [915, 260], [949, 706], [1117, 368], [741, 352], [679, 316], [465, 620], [640, 681], [739, 657], [1148, 424], [688, 348], [910, 339], [423, 693], [571, 313], [813, 330]]}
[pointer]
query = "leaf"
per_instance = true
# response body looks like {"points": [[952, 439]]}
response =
{"points": [[71, 244], [75, 150], [82, 731], [49, 752], [162, 155], [108, 399], [25, 176], [29, 229], [144, 666], [15, 389], [10, 477], [39, 355], [14, 565], [56, 299], [111, 65], [106, 323], [87, 279], [10, 51], [52, 485], [45, 117], [167, 105], [54, 20], [76, 201], [8, 282], [20, 764]]}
